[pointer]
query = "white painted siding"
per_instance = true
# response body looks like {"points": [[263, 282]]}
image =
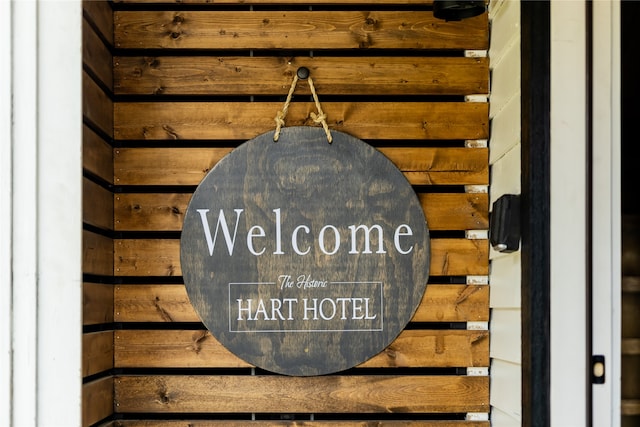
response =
{"points": [[568, 219], [41, 219], [606, 204], [504, 146]]}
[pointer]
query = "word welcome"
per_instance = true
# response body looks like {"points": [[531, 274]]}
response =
{"points": [[328, 241]]}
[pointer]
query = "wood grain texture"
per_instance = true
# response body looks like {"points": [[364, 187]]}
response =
{"points": [[101, 15], [297, 423], [96, 56], [269, 75], [199, 349], [281, 394], [97, 303], [188, 166], [296, 30], [97, 400], [96, 105], [97, 155], [170, 303], [97, 352], [97, 205], [244, 121], [160, 211], [161, 257], [97, 252]]}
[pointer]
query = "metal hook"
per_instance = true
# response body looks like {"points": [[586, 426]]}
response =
{"points": [[303, 73]]}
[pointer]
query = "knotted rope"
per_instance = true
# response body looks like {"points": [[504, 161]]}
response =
{"points": [[321, 117]]}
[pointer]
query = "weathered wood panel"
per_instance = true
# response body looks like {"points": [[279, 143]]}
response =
{"points": [[97, 303], [244, 121], [296, 30], [297, 423], [97, 400], [96, 105], [161, 257], [97, 254], [188, 166], [159, 211], [97, 352], [268, 75], [170, 303], [97, 109], [97, 205], [101, 15], [321, 394], [198, 349], [454, 303], [96, 56], [97, 155]]}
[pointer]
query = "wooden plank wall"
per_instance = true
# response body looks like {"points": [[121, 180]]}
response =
{"points": [[194, 79], [97, 368]]}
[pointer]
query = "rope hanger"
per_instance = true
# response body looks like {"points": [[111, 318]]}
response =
{"points": [[321, 117]]}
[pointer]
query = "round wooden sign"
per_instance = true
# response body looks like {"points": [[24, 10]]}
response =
{"points": [[303, 257]]}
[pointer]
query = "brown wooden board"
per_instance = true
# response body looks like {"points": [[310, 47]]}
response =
{"points": [[97, 352], [97, 155], [170, 303], [97, 400], [96, 105], [243, 121], [198, 349], [97, 252], [188, 166], [97, 303], [96, 56], [160, 211], [319, 394], [100, 14], [268, 75], [97, 205], [297, 423], [296, 30], [161, 257]]}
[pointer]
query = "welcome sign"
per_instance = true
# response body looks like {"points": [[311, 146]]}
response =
{"points": [[305, 258]]}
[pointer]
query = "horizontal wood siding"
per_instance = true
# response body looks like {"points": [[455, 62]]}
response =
{"points": [[242, 121], [198, 349], [97, 208], [268, 75], [188, 166], [192, 80], [296, 30], [321, 394]]}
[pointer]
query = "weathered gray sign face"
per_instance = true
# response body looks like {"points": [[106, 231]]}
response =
{"points": [[305, 258]]}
